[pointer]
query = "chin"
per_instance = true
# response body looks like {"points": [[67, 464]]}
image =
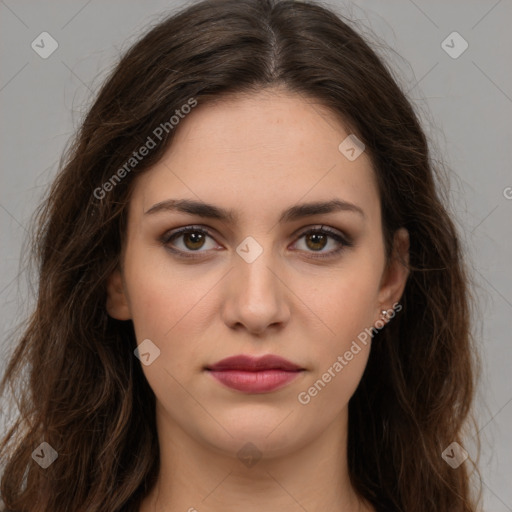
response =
{"points": [[267, 434]]}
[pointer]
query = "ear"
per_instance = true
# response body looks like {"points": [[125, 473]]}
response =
{"points": [[117, 302], [396, 274]]}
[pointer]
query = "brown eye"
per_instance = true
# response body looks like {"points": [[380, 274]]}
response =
{"points": [[187, 241], [316, 241], [193, 240]]}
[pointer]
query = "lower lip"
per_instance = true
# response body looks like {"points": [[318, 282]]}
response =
{"points": [[262, 381]]}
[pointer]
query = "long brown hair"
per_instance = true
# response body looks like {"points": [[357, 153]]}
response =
{"points": [[76, 381]]}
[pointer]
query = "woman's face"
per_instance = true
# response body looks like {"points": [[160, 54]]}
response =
{"points": [[256, 283]]}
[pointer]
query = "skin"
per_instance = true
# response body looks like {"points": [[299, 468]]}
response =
{"points": [[258, 155]]}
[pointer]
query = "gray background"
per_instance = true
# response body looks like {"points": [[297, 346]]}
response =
{"points": [[465, 104]]}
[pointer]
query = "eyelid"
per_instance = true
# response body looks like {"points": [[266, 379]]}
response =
{"points": [[321, 228], [341, 238], [176, 233]]}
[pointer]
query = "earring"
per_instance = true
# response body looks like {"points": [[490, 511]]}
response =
{"points": [[385, 314]]}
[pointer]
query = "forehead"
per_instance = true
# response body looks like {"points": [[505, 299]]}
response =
{"points": [[272, 147]]}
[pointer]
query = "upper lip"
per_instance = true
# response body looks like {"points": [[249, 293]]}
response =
{"points": [[254, 364]]}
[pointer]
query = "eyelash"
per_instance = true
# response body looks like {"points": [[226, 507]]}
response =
{"points": [[171, 236]]}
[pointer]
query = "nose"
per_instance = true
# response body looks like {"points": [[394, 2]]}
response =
{"points": [[256, 296]]}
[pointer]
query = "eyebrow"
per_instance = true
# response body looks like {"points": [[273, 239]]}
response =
{"points": [[211, 211]]}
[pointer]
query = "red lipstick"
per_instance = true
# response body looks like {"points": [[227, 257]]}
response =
{"points": [[255, 374]]}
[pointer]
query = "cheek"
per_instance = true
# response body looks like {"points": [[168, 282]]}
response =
{"points": [[348, 301], [160, 295], [166, 315], [165, 312], [339, 361], [340, 358], [329, 391], [170, 308], [347, 306], [155, 307], [342, 355]]}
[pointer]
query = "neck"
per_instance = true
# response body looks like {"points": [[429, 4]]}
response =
{"points": [[194, 477]]}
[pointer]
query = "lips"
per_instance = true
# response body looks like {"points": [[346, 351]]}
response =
{"points": [[254, 364], [254, 374]]}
